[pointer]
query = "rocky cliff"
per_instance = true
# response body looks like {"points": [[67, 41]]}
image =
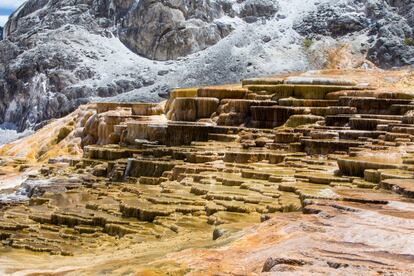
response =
{"points": [[59, 54], [1, 33]]}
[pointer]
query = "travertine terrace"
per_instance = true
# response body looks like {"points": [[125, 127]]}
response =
{"points": [[274, 169]]}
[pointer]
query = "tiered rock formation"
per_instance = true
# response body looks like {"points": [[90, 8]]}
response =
{"points": [[212, 161]]}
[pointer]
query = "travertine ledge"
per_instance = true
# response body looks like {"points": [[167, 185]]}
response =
{"points": [[205, 167]]}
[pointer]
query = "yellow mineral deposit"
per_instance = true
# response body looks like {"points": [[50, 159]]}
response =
{"points": [[309, 173]]}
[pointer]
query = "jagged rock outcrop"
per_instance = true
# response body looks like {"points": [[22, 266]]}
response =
{"points": [[1, 33], [259, 8], [394, 44], [59, 54], [170, 29], [333, 20], [388, 25]]}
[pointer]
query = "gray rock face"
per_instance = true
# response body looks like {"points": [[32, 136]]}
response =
{"points": [[404, 8], [333, 21], [1, 33], [58, 54], [259, 8], [166, 30], [388, 23], [394, 30], [38, 71]]}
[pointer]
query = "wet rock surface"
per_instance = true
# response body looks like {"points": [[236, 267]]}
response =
{"points": [[206, 168]]}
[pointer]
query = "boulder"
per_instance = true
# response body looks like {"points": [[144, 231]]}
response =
{"points": [[156, 29]]}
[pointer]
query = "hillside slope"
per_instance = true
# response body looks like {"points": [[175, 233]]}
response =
{"points": [[58, 54]]}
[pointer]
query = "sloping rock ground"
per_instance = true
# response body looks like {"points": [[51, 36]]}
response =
{"points": [[57, 55], [341, 239], [303, 174]]}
